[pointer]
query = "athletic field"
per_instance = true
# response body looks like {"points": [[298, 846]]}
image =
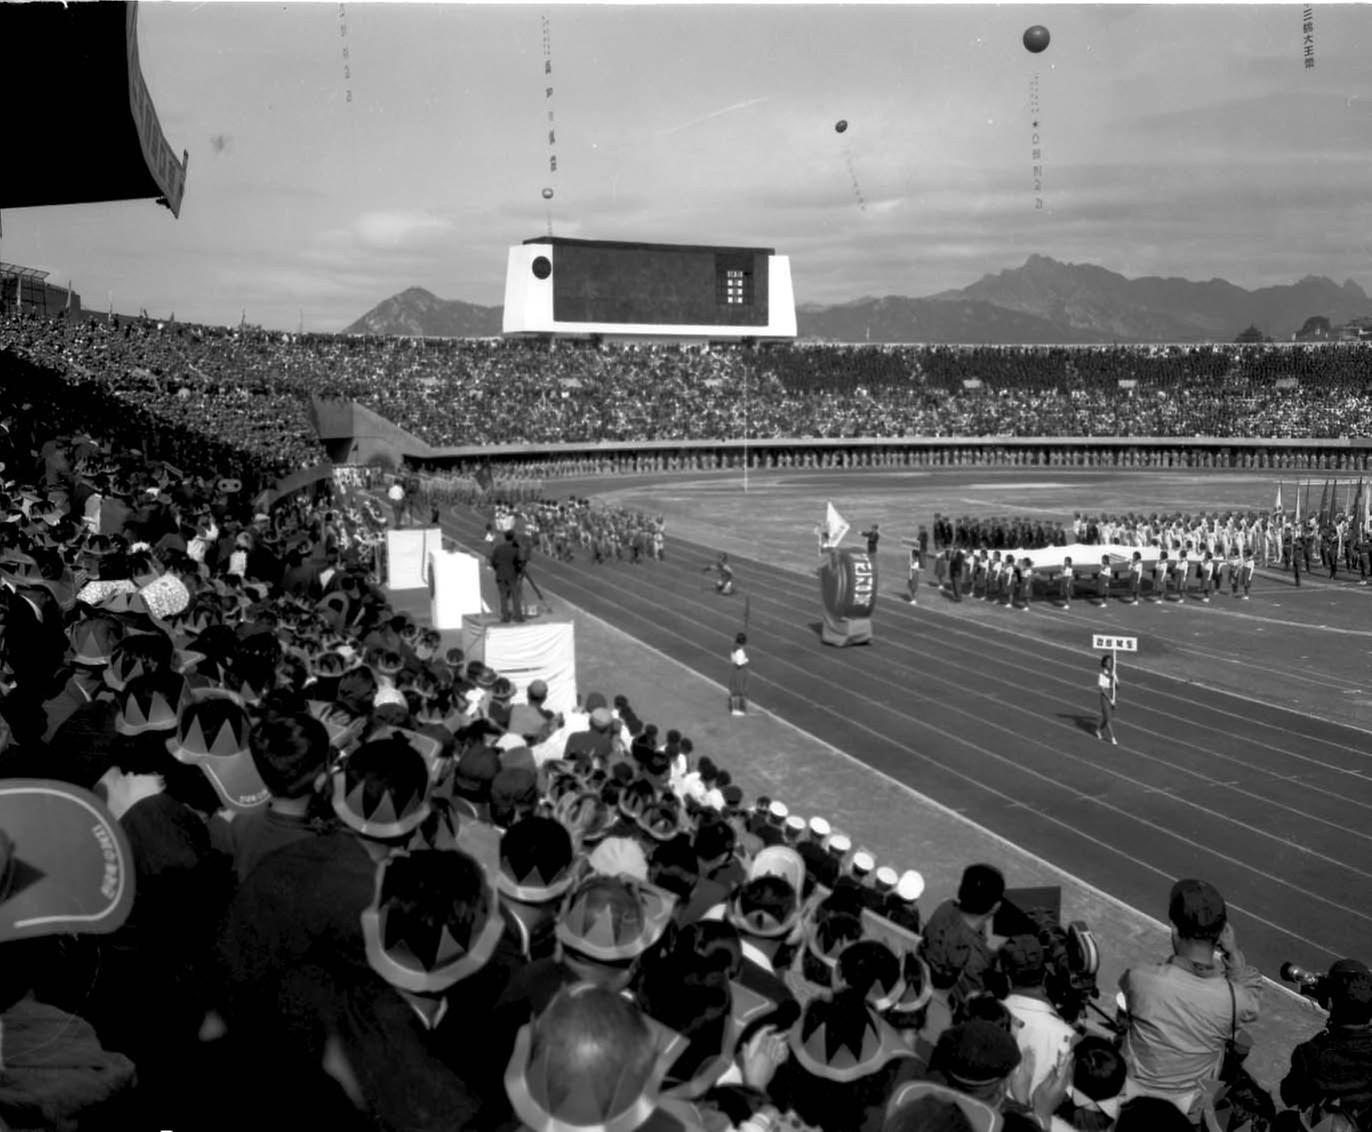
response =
{"points": [[1243, 753]]}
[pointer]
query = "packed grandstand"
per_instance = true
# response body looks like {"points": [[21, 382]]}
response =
{"points": [[374, 891], [248, 391]]}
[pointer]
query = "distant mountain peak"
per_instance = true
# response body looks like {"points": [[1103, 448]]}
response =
{"points": [[1044, 300]]}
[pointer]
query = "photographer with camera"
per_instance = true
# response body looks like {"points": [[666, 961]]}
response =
{"points": [[1183, 1011], [1332, 1072]]}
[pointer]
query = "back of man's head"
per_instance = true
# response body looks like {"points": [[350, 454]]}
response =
{"points": [[982, 888], [1197, 911], [1350, 993]]}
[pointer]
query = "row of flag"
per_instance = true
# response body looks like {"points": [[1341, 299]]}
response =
{"points": [[1357, 502]]}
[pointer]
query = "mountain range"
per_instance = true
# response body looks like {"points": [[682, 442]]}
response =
{"points": [[1042, 301]]}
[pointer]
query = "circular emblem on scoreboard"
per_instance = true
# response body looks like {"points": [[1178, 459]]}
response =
{"points": [[543, 267]]}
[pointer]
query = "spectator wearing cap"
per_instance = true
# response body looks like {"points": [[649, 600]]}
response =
{"points": [[845, 1061], [404, 1028], [1183, 1010], [301, 905], [766, 909], [291, 754], [1043, 1037], [597, 740], [956, 942], [604, 926], [1332, 1072]]}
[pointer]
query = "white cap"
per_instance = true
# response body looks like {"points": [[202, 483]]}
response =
{"points": [[819, 828], [838, 844], [863, 861], [910, 886], [795, 826], [886, 878], [778, 811]]}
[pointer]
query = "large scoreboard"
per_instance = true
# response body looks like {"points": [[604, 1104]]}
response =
{"points": [[610, 288]]}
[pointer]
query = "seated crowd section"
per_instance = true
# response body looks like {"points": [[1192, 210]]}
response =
{"points": [[376, 889], [250, 388]]}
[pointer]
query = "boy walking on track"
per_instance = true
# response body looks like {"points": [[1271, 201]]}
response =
{"points": [[1108, 683], [738, 677]]}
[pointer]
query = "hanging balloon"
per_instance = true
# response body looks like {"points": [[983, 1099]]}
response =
{"points": [[547, 194], [1036, 38], [840, 125]]}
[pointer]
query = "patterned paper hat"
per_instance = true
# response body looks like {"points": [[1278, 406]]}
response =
{"points": [[537, 861], [65, 863], [842, 1039], [427, 957], [94, 640], [613, 919], [381, 790], [135, 655], [151, 702], [212, 733]]}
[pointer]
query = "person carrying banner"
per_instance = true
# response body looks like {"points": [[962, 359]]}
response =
{"points": [[1108, 684], [738, 677]]}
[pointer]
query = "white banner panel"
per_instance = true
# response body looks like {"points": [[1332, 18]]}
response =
{"points": [[536, 650], [407, 555], [454, 587]]}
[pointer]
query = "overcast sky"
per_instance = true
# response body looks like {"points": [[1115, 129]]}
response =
{"points": [[1176, 140]]}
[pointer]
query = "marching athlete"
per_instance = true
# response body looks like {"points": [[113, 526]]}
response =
{"points": [[1108, 683], [724, 580], [916, 564], [738, 677]]}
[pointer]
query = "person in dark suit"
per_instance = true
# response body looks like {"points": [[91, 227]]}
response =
{"points": [[507, 561]]}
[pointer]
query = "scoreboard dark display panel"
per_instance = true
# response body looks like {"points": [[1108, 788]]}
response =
{"points": [[659, 284]]}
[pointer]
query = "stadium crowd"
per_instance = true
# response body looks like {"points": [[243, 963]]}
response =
{"points": [[271, 855], [252, 387]]}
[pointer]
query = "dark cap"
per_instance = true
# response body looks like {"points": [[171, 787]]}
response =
{"points": [[1350, 988], [1197, 910]]}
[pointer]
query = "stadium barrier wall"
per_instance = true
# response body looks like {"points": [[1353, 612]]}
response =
{"points": [[1158, 453]]}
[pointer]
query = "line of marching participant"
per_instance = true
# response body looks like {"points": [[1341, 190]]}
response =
{"points": [[1139, 558]]}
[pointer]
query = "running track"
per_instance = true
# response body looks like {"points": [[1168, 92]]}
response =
{"points": [[1272, 806]]}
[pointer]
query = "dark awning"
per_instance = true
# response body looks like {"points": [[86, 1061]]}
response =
{"points": [[81, 126]]}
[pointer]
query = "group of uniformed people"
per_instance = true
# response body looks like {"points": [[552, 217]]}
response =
{"points": [[1197, 556], [559, 529]]}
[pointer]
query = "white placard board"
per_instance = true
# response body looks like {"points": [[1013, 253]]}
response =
{"points": [[534, 650], [407, 555], [454, 587], [1115, 644]]}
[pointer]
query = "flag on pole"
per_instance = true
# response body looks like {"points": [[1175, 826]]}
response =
{"points": [[1298, 500], [1324, 504], [1366, 509], [835, 527], [1277, 506]]}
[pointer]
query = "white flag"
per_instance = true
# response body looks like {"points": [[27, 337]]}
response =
{"points": [[835, 526]]}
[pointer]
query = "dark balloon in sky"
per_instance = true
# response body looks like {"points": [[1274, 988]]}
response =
{"points": [[840, 125], [1036, 38], [547, 194]]}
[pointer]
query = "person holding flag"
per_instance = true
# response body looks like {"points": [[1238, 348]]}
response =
{"points": [[832, 530]]}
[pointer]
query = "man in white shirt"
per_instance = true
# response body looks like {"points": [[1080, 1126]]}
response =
{"points": [[1044, 1039]]}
